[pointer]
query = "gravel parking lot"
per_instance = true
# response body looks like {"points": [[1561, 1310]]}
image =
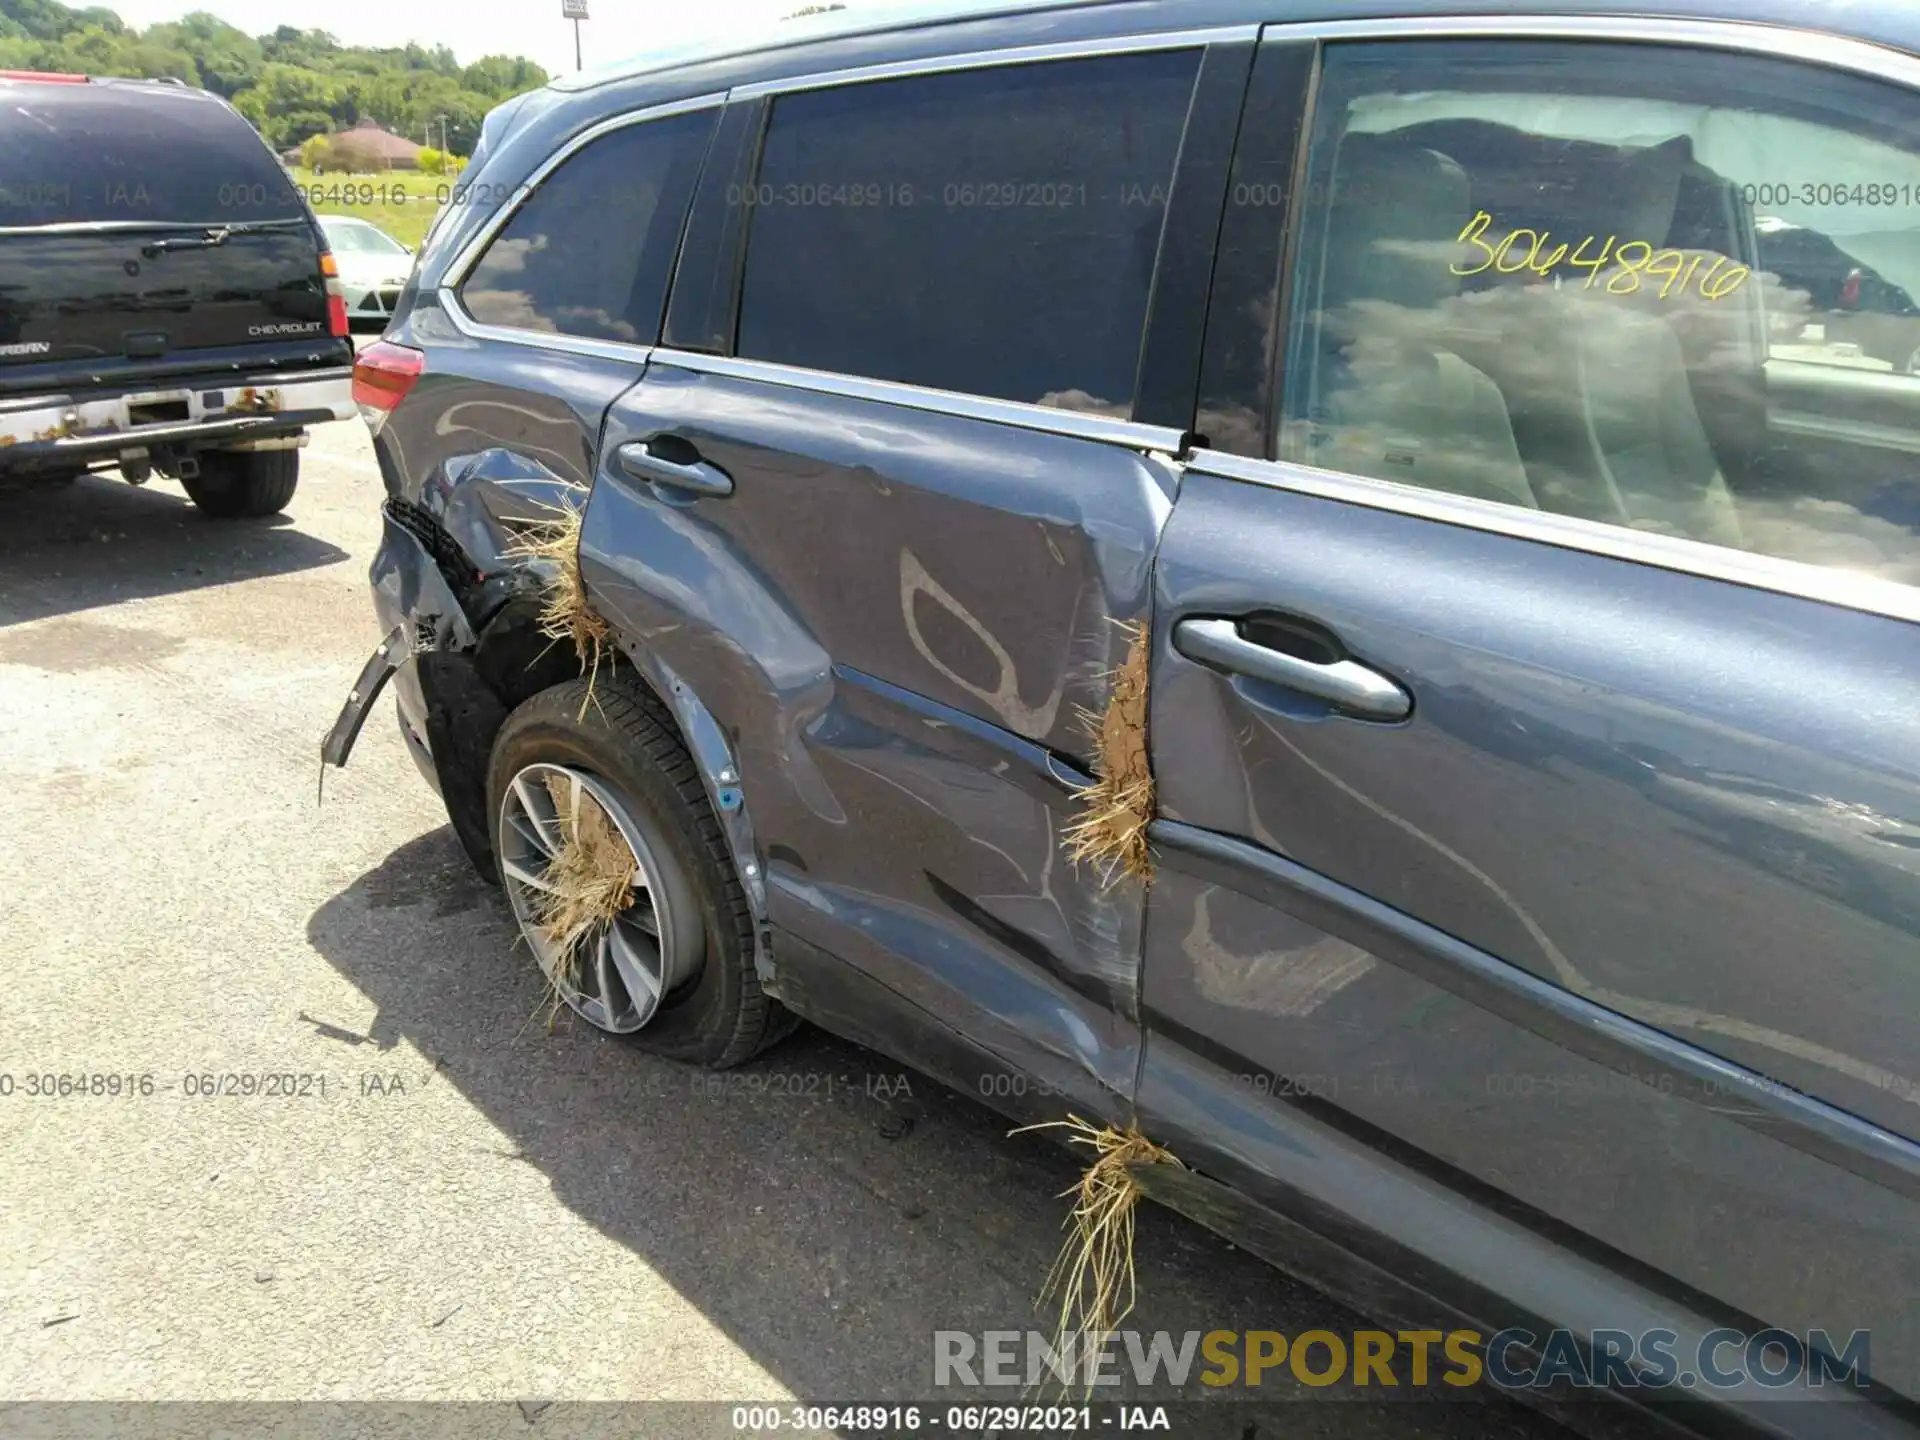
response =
{"points": [[444, 1198]]}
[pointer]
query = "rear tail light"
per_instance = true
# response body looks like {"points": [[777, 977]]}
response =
{"points": [[383, 374], [336, 297]]}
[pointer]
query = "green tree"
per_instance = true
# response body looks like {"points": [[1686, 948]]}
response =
{"points": [[94, 51], [499, 76], [229, 59], [153, 61], [297, 128], [41, 19], [291, 83]]}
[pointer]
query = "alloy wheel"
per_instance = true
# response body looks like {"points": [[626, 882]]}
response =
{"points": [[618, 972]]}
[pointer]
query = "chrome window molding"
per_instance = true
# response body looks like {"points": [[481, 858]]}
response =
{"points": [[634, 353], [1818, 47], [1075, 424], [991, 59], [1797, 578], [1692, 557], [456, 273], [1866, 432]]}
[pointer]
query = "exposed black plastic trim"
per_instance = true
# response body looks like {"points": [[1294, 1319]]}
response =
{"points": [[1177, 308], [1245, 320], [703, 305]]}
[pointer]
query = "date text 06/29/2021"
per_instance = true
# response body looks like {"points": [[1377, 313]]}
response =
{"points": [[970, 1420]]}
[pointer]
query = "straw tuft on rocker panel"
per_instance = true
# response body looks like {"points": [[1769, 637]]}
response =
{"points": [[1092, 1281]]}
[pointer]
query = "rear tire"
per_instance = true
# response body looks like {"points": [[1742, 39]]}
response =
{"points": [[244, 484], [717, 1016]]}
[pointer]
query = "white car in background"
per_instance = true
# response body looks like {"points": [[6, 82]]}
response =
{"points": [[373, 266]]}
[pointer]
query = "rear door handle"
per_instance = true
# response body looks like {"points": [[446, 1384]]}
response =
{"points": [[696, 476], [1345, 683]]}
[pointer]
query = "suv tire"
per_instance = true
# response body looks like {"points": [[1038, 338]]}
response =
{"points": [[619, 734], [244, 484]]}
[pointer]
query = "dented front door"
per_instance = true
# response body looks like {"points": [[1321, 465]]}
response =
{"points": [[898, 616]]}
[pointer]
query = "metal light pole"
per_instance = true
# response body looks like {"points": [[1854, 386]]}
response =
{"points": [[576, 11]]}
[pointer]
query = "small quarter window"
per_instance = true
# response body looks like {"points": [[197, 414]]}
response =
{"points": [[591, 250], [1668, 290], [988, 231]]}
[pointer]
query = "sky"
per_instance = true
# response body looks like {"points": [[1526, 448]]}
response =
{"points": [[472, 28]]}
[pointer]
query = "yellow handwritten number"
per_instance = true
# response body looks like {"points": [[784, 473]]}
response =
{"points": [[1635, 259], [1475, 228]]}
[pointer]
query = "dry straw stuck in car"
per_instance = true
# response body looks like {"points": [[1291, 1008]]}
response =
{"points": [[565, 612], [589, 880], [1093, 1279], [1111, 829]]}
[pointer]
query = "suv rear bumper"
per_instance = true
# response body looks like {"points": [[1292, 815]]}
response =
{"points": [[57, 431]]}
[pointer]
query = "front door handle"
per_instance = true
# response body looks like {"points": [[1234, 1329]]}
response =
{"points": [[695, 476], [1346, 683]]}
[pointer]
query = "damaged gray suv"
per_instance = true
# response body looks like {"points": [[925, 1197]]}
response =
{"points": [[1284, 578]]}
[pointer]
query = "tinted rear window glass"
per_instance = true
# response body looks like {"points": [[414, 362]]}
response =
{"points": [[590, 252], [987, 231], [92, 153]]}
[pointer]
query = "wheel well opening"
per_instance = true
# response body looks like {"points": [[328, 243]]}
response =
{"points": [[470, 695], [517, 660]]}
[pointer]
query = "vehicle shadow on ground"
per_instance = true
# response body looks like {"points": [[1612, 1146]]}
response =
{"points": [[825, 1207], [100, 540]]}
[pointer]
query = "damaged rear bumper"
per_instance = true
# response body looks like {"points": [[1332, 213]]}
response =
{"points": [[393, 652], [421, 616]]}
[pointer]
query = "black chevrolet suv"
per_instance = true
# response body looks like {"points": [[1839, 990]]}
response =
{"points": [[166, 296]]}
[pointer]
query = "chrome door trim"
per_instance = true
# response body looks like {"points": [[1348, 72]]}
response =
{"points": [[1075, 424], [1838, 52], [1804, 581], [988, 59], [1860, 432], [452, 277], [472, 329]]}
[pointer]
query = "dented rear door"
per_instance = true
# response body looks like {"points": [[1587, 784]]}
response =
{"points": [[894, 534]]}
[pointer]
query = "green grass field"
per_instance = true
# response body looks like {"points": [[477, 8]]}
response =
{"points": [[400, 202]]}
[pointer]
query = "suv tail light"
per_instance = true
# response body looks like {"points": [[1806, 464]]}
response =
{"points": [[336, 297], [383, 374]]}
